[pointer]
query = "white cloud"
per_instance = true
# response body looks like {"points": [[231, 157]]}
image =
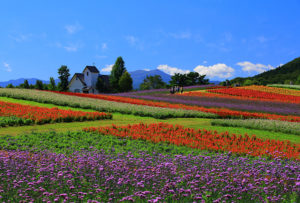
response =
{"points": [[101, 56], [135, 42], [227, 36], [250, 67], [146, 69], [171, 70], [107, 68], [219, 70], [104, 46], [71, 29], [182, 35], [262, 39], [204, 62], [71, 47], [7, 67], [131, 39], [21, 37]]}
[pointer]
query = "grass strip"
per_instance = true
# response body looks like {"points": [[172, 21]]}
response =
{"points": [[260, 124], [296, 87]]}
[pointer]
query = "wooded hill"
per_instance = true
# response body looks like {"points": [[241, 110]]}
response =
{"points": [[280, 75]]}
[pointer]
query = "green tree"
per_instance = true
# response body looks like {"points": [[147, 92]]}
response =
{"points": [[26, 84], [10, 86], [298, 80], [52, 85], [153, 82], [39, 85], [64, 74], [248, 82], [117, 71], [125, 82], [192, 78], [45, 87], [202, 81], [101, 86], [178, 79]]}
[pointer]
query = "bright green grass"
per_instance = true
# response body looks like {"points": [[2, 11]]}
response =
{"points": [[125, 119]]}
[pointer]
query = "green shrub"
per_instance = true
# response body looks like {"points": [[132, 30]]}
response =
{"points": [[14, 121]]}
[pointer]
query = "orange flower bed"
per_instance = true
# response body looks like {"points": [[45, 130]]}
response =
{"points": [[250, 93], [273, 90], [46, 115], [203, 139], [220, 111]]}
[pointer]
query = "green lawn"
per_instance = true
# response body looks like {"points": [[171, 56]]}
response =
{"points": [[122, 119]]}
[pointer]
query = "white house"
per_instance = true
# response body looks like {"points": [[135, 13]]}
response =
{"points": [[85, 82]]}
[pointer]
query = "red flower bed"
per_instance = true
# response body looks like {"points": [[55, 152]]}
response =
{"points": [[46, 115], [250, 93], [203, 139], [220, 111]]}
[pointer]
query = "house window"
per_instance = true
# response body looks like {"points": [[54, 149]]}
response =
{"points": [[87, 73]]}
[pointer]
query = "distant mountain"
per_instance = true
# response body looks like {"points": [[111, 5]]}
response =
{"points": [[214, 82], [138, 76], [19, 81], [288, 72]]}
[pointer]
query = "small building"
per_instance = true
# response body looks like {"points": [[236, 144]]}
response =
{"points": [[85, 82]]}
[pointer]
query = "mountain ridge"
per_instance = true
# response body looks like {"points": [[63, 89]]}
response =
{"points": [[137, 76]]}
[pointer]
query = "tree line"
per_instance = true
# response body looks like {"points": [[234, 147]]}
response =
{"points": [[119, 80], [182, 80]]}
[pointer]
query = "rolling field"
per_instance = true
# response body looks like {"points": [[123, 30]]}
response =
{"points": [[150, 146]]}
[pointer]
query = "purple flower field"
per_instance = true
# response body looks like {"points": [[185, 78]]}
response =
{"points": [[99, 177], [236, 104], [125, 94]]}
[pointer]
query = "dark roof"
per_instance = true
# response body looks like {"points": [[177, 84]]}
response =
{"points": [[80, 76], [93, 69]]}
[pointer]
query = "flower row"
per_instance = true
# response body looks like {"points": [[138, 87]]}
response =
{"points": [[258, 94], [42, 115], [275, 90], [219, 111], [101, 105], [100, 177], [211, 94], [203, 139], [216, 101]]}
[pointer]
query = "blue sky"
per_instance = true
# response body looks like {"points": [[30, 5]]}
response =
{"points": [[222, 39]]}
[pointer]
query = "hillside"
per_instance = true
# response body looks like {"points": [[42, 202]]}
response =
{"points": [[288, 72]]}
